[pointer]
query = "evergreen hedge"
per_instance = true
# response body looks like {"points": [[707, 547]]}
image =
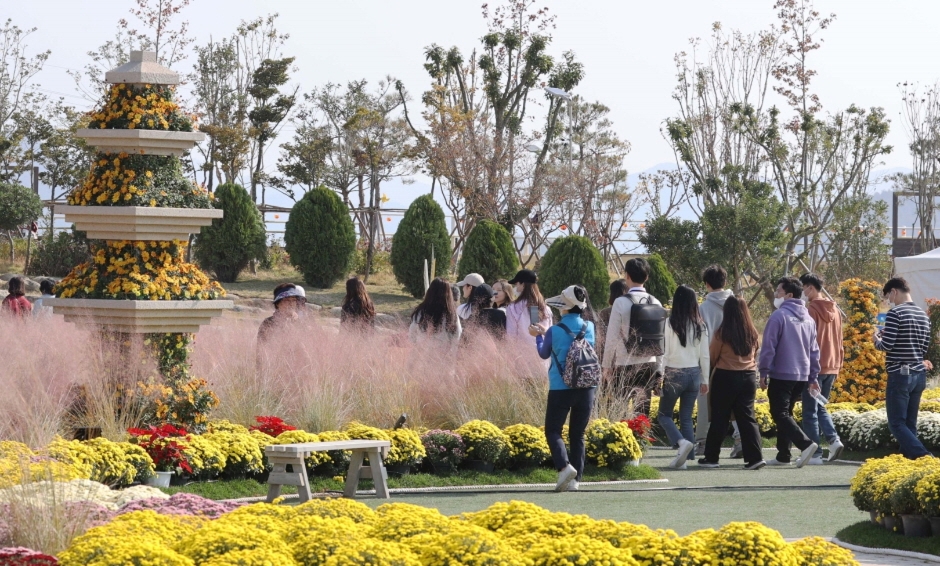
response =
{"points": [[320, 238], [573, 260], [231, 242], [18, 206], [661, 283], [488, 251], [422, 229]]}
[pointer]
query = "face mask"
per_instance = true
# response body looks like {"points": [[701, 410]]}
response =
{"points": [[778, 302]]}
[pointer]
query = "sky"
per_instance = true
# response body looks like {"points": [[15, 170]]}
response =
{"points": [[627, 48]]}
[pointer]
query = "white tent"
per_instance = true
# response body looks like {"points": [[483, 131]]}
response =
{"points": [[922, 273]]}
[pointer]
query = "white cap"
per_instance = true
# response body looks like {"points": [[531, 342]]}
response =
{"points": [[295, 291], [567, 299], [472, 279]]}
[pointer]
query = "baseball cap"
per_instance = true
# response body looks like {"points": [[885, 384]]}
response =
{"points": [[483, 290], [472, 279], [568, 298], [524, 276]]}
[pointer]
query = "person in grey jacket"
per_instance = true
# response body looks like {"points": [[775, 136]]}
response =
{"points": [[715, 277]]}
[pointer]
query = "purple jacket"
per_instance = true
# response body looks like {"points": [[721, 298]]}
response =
{"points": [[789, 349]]}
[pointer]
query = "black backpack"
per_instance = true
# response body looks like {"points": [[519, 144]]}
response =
{"points": [[582, 369], [647, 328]]}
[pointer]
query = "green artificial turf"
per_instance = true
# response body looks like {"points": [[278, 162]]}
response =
{"points": [[234, 489], [866, 534]]}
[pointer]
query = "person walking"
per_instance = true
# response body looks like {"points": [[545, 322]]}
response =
{"points": [[686, 362], [562, 399], [357, 312], [435, 318], [733, 385], [828, 319], [15, 303], [714, 277], [617, 289], [483, 314], [633, 353], [518, 317], [467, 285], [504, 296], [789, 358], [905, 339]]}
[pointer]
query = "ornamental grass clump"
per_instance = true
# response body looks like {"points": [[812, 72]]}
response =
{"points": [[484, 441], [527, 446], [444, 448], [611, 444]]}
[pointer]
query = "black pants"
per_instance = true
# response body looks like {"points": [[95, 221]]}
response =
{"points": [[638, 380], [580, 403], [733, 392], [782, 395]]}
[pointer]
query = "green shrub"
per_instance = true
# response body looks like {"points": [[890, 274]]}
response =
{"points": [[660, 283], [231, 242], [320, 238], [488, 251], [55, 256], [18, 206], [573, 260], [422, 229], [380, 263]]}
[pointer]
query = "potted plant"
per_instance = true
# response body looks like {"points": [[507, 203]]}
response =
{"points": [[928, 499], [166, 453], [527, 446], [407, 450], [612, 444], [642, 430], [486, 445], [904, 502], [445, 450]]}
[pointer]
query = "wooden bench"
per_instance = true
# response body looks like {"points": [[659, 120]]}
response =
{"points": [[282, 455]]}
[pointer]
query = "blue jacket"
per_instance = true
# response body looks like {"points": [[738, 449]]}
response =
{"points": [[558, 342], [789, 349]]}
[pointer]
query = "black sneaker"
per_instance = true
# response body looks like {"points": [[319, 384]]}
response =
{"points": [[756, 465], [703, 463]]}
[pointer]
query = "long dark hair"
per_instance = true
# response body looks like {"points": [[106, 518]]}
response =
{"points": [[685, 314], [480, 298], [357, 299], [437, 310], [532, 296], [737, 330]]}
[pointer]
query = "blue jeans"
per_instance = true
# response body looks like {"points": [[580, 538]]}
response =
{"points": [[816, 417], [902, 403], [682, 385]]}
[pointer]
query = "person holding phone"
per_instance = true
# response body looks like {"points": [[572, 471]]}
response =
{"points": [[528, 309]]}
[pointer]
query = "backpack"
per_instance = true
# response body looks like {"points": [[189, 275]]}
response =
{"points": [[647, 336], [582, 369]]}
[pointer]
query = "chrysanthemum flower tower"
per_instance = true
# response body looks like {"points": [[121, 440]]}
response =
{"points": [[139, 209]]}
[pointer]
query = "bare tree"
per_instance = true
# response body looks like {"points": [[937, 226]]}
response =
{"points": [[17, 69], [921, 115]]}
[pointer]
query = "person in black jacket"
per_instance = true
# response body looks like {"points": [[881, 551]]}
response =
{"points": [[482, 312]]}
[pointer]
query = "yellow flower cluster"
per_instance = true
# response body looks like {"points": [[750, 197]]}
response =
{"points": [[338, 532], [484, 441], [149, 107], [407, 448], [139, 271], [611, 444], [863, 378], [896, 485], [116, 464], [243, 452], [527, 445]]}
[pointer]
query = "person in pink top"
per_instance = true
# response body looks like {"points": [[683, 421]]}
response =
{"points": [[16, 304], [517, 314]]}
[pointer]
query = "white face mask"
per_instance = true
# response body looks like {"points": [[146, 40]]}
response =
{"points": [[778, 302], [804, 298]]}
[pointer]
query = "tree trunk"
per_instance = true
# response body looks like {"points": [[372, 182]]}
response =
{"points": [[374, 217], [29, 245], [12, 249]]}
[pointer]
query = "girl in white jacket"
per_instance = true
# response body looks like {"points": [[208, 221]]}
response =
{"points": [[686, 362]]}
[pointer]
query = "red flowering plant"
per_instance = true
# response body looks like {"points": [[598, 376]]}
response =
{"points": [[272, 426], [20, 556], [642, 429], [166, 453]]}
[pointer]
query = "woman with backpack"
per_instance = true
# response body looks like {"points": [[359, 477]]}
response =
{"points": [[436, 317], [571, 333], [528, 296], [733, 353], [686, 362], [357, 312]]}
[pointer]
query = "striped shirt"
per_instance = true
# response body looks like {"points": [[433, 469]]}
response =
{"points": [[905, 338]]}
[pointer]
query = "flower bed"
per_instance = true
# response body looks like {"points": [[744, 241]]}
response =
{"points": [[340, 531], [894, 486]]}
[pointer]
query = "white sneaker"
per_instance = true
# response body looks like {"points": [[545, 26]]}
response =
{"points": [[776, 462], [737, 451], [806, 454], [685, 448], [573, 485], [700, 448], [815, 461], [835, 450], [565, 477]]}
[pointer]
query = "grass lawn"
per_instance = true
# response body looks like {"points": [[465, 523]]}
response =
{"points": [[234, 489], [866, 534]]}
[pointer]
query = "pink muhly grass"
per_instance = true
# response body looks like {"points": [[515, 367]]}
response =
{"points": [[182, 504]]}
